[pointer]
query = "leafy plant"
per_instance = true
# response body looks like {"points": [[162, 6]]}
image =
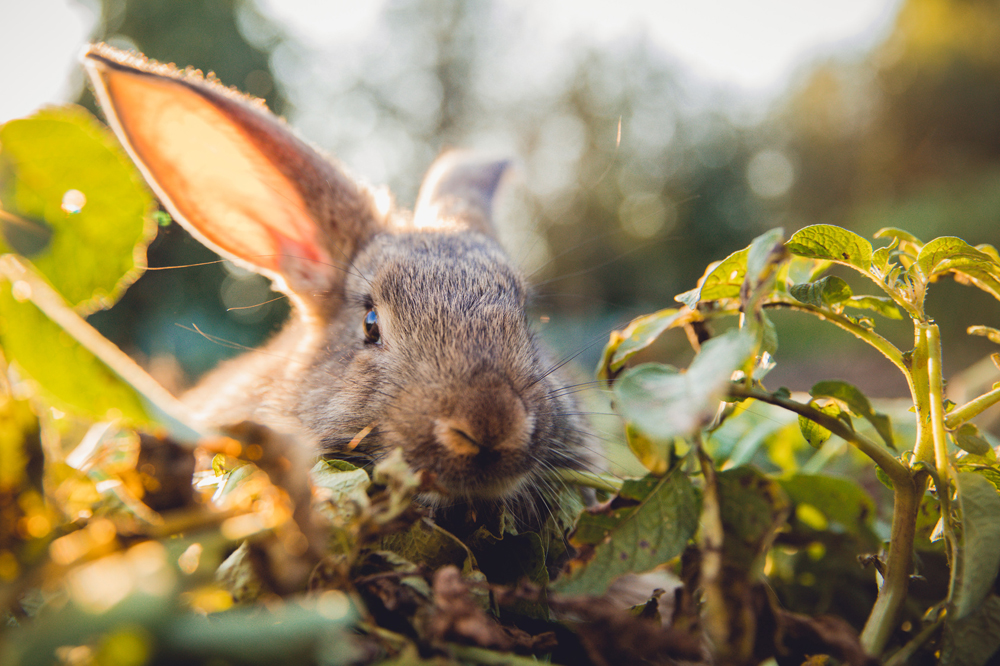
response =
{"points": [[141, 540], [775, 274]]}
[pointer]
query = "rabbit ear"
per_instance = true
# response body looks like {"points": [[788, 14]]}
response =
{"points": [[458, 192], [234, 175]]}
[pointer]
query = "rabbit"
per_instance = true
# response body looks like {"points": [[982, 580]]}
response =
{"points": [[408, 330]]}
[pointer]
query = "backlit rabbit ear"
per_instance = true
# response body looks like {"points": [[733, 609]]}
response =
{"points": [[233, 174], [458, 192]]}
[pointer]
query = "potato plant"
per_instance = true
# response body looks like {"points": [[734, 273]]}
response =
{"points": [[127, 537]]}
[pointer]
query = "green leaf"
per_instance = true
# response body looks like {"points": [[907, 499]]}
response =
{"points": [[972, 640], [639, 334], [799, 270], [984, 464], [766, 251], [753, 508], [825, 241], [766, 333], [753, 425], [880, 304], [899, 235], [881, 256], [649, 523], [843, 503], [948, 253], [828, 291], [664, 403], [67, 374], [297, 632], [509, 559], [968, 439], [48, 160], [978, 552], [815, 434], [978, 275], [858, 403], [722, 279], [339, 476]]}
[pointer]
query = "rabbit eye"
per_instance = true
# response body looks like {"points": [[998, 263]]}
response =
{"points": [[372, 333]]}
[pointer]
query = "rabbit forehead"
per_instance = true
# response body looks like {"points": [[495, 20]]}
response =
{"points": [[458, 273]]}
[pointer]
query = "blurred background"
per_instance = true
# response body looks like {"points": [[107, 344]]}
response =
{"points": [[652, 138]]}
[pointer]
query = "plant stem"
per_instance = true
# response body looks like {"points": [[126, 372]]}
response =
{"points": [[936, 396], [971, 409], [894, 469], [906, 490], [891, 595], [710, 540], [923, 448]]}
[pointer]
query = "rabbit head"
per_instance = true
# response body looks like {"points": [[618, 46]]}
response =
{"points": [[409, 330]]}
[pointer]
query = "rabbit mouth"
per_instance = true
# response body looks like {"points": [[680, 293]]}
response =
{"points": [[490, 486]]}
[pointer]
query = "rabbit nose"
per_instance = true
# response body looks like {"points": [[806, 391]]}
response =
{"points": [[486, 421], [453, 436]]}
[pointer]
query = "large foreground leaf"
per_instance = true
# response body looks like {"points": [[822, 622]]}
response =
{"points": [[648, 524], [75, 206], [68, 375]]}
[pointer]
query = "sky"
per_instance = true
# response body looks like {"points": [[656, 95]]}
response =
{"points": [[754, 48]]}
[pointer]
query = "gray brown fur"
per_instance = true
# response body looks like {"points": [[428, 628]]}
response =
{"points": [[458, 380]]}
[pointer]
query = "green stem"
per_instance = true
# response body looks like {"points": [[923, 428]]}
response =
{"points": [[971, 409], [899, 562], [717, 613], [923, 448], [906, 500], [895, 470], [936, 395]]}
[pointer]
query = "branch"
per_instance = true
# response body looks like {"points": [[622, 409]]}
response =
{"points": [[895, 470], [971, 409]]}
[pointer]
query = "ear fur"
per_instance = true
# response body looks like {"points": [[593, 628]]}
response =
{"points": [[233, 174], [458, 192]]}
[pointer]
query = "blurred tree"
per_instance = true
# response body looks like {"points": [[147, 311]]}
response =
{"points": [[633, 181], [907, 137]]}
